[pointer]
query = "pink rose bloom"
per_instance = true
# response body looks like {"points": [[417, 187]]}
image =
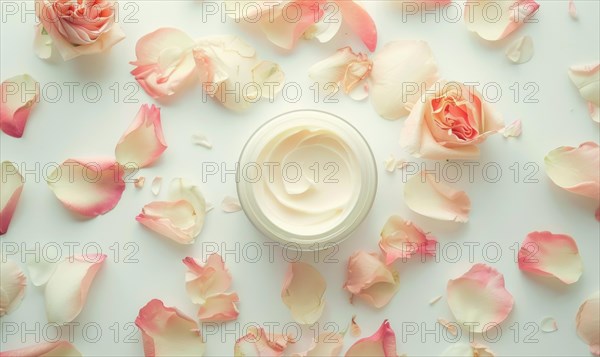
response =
{"points": [[448, 122], [77, 27]]}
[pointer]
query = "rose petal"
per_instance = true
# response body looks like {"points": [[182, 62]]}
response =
{"points": [[164, 62], [202, 140], [370, 279], [235, 76], [588, 323], [181, 218], [425, 196], [354, 328], [156, 185], [258, 343], [205, 280], [472, 350], [521, 50], [452, 327], [11, 186], [572, 10], [478, 298], [587, 80], [402, 239], [143, 142], [42, 43], [548, 324], [88, 187], [575, 169], [327, 27], [66, 291], [390, 164], [435, 299], [324, 345], [48, 349], [168, 332], [303, 292], [402, 70], [40, 270], [359, 21], [139, 182], [548, 254], [106, 41], [230, 204], [512, 130], [507, 16], [19, 95], [12, 286], [381, 344], [220, 307]]}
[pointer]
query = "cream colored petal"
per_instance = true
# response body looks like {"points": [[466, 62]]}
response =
{"points": [[230, 204], [521, 50], [201, 140], [588, 323], [513, 129], [587, 80], [12, 286], [575, 169], [493, 20], [156, 185], [11, 186], [548, 324], [303, 292], [42, 43]]}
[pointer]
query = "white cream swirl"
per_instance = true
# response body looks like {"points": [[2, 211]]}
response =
{"points": [[314, 182]]}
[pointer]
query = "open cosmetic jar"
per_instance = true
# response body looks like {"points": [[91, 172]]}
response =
{"points": [[306, 179]]}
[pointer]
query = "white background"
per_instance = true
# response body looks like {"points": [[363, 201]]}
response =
{"points": [[503, 212]]}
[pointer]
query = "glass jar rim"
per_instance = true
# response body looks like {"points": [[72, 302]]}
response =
{"points": [[348, 224]]}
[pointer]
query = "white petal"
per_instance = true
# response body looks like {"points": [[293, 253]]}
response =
{"points": [[201, 140], [303, 292], [156, 185], [12, 286], [513, 129], [548, 325], [230, 204], [521, 50]]}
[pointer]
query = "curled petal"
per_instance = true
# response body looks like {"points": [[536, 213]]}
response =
{"points": [[156, 185], [180, 219], [370, 279], [359, 21], [164, 62], [19, 94], [325, 345], [588, 323], [40, 270], [67, 290], [508, 16], [402, 239], [42, 43], [230, 204], [327, 27], [205, 280], [88, 187], [575, 169], [48, 349], [258, 343], [11, 186], [550, 254], [587, 80], [521, 50], [513, 129], [402, 70], [425, 196], [354, 327], [143, 142], [344, 69], [233, 74], [478, 298], [220, 307], [303, 292], [12, 286], [381, 344], [548, 325], [168, 332]]}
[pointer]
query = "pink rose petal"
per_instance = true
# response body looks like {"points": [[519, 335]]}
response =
{"points": [[11, 186], [587, 80], [303, 292], [12, 286], [220, 307], [181, 219], [370, 279], [478, 298], [88, 187], [588, 323], [402, 239], [354, 328], [205, 280], [168, 332], [381, 344], [19, 95], [425, 196], [507, 17], [359, 21], [67, 289], [548, 254], [575, 169], [325, 345], [164, 62], [258, 343], [402, 70], [572, 10], [48, 349], [143, 142]]}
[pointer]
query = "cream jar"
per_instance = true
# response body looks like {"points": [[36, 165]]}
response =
{"points": [[307, 179]]}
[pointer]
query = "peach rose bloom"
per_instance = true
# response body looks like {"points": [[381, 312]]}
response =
{"points": [[448, 122], [79, 27]]}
